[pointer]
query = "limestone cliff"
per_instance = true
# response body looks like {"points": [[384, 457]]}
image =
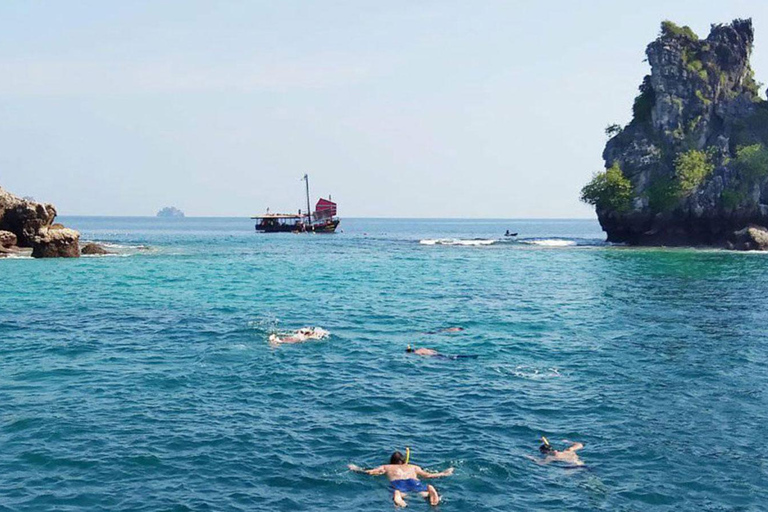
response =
{"points": [[692, 165]]}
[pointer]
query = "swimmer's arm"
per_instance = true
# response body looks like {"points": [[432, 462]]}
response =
{"points": [[574, 447], [373, 472], [426, 474]]}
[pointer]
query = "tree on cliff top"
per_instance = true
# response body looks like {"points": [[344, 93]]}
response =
{"points": [[608, 190], [671, 29]]}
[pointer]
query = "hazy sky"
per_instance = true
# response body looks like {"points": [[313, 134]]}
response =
{"points": [[397, 108]]}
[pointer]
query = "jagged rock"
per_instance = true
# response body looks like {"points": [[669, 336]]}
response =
{"points": [[700, 99], [751, 238], [7, 239], [56, 243], [92, 248], [31, 224], [24, 218]]}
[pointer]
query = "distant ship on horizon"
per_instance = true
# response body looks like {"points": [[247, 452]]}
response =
{"points": [[170, 212], [322, 220]]}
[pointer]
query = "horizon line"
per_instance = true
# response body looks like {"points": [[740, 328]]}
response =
{"points": [[361, 217]]}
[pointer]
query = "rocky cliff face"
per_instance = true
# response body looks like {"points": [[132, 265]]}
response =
{"points": [[30, 224], [692, 165]]}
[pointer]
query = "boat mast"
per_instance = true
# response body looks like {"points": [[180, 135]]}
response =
{"points": [[309, 211]]}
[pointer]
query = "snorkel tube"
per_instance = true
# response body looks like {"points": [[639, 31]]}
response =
{"points": [[546, 447], [407, 454]]}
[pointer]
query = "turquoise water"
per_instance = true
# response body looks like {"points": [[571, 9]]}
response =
{"points": [[145, 381]]}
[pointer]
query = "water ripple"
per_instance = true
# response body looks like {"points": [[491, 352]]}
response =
{"points": [[147, 383]]}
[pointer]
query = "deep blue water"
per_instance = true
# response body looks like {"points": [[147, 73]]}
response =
{"points": [[145, 382]]}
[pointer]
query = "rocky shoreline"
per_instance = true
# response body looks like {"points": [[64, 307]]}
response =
{"points": [[26, 224]]}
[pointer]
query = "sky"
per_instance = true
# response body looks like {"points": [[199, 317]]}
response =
{"points": [[403, 108]]}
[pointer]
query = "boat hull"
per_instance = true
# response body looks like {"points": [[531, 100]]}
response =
{"points": [[325, 227]]}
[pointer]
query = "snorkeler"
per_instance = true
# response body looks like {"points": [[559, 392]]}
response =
{"points": [[301, 335], [568, 455], [428, 352], [447, 329], [404, 478]]}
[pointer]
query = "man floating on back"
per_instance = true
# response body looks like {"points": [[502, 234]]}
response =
{"points": [[404, 478]]}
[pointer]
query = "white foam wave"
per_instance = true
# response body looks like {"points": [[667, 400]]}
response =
{"points": [[16, 257], [110, 255], [475, 242], [119, 250], [531, 372], [550, 242], [113, 245]]}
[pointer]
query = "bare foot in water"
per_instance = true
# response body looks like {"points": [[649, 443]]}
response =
{"points": [[434, 498], [399, 501]]}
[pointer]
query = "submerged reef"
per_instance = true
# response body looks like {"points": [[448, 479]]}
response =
{"points": [[691, 167]]}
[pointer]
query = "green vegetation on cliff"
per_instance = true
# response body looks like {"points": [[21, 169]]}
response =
{"points": [[641, 109], [752, 129], [662, 195], [609, 189], [731, 198], [752, 162], [691, 169], [751, 165], [670, 29]]}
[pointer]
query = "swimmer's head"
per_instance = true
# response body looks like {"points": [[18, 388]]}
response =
{"points": [[397, 458], [545, 446], [409, 349]]}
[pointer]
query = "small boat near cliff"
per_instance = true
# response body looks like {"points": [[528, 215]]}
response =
{"points": [[322, 220]]}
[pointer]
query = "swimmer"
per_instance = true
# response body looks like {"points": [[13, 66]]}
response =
{"points": [[568, 455], [428, 352], [300, 336], [447, 329], [404, 478]]}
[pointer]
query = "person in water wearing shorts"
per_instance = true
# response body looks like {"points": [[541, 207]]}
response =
{"points": [[404, 479], [569, 455], [428, 352]]}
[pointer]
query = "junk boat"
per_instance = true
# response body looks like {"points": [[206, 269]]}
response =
{"points": [[322, 220]]}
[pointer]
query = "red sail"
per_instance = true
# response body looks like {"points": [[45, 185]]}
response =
{"points": [[325, 208]]}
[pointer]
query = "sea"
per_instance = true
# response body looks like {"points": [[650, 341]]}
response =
{"points": [[143, 380]]}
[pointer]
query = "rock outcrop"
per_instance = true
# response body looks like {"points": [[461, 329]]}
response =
{"points": [[93, 249], [751, 238], [24, 218], [31, 224], [56, 243], [691, 168], [7, 239], [8, 243]]}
